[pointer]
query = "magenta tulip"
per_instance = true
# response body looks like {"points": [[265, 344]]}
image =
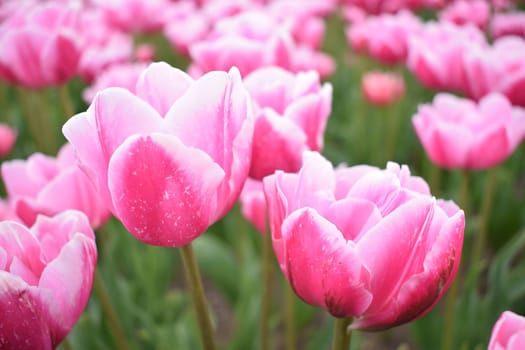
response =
{"points": [[171, 159], [511, 23], [458, 133], [253, 204], [291, 115], [508, 332], [49, 186], [361, 242], [476, 12], [46, 274]]}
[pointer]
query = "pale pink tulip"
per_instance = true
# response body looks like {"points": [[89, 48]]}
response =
{"points": [[291, 115], [384, 37], [511, 23], [40, 47], [498, 68], [476, 12], [436, 55], [460, 133], [508, 332], [7, 139], [171, 159], [362, 242], [47, 185], [381, 88], [46, 274]]}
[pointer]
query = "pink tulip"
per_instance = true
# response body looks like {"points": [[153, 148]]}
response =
{"points": [[291, 115], [48, 186], [40, 47], [385, 37], [380, 88], [123, 75], [171, 159], [476, 12], [512, 23], [499, 68], [508, 332], [362, 242], [46, 274], [459, 133], [7, 139], [437, 53]]}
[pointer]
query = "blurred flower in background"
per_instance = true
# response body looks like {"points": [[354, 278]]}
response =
{"points": [[7, 139], [476, 12], [382, 88], [508, 332], [460, 133]]}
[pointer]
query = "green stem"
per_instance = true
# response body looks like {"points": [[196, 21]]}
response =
{"points": [[200, 304], [341, 338], [451, 298], [65, 101], [393, 130], [486, 206], [291, 331], [435, 178], [267, 282], [107, 308], [38, 119]]}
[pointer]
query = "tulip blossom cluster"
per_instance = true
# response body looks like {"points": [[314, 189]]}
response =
{"points": [[49, 186], [460, 133], [156, 156], [362, 242], [46, 273]]}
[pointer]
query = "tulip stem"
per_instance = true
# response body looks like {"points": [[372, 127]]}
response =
{"points": [[393, 130], [200, 304], [107, 308], [486, 206], [267, 284], [450, 301], [65, 101], [341, 339], [291, 333]]}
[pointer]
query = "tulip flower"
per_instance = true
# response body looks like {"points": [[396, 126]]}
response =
{"points": [[436, 55], [171, 159], [46, 274], [253, 204], [39, 45], [381, 88], [363, 243], [476, 12], [508, 332], [498, 68], [458, 133], [291, 115], [511, 23], [49, 186], [7, 139], [385, 37]]}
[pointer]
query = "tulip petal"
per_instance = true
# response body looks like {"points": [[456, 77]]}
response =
{"points": [[316, 254], [390, 247], [161, 85], [164, 192], [489, 148], [24, 324]]}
